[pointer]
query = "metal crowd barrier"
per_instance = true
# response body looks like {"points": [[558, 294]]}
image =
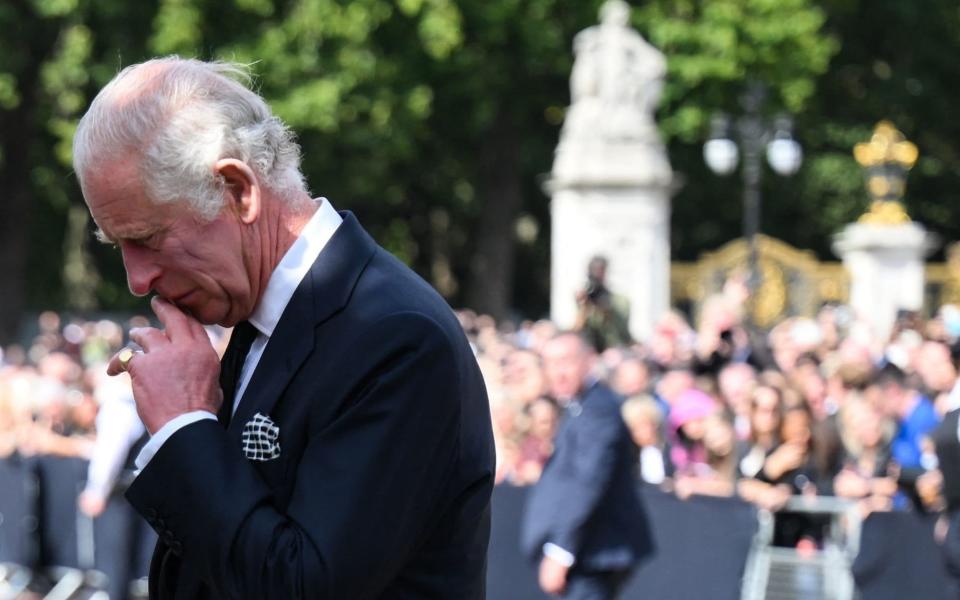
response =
{"points": [[18, 527], [48, 545], [788, 573], [723, 549]]}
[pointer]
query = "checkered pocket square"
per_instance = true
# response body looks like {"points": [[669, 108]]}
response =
{"points": [[260, 439]]}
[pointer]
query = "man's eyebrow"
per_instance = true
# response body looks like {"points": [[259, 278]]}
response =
{"points": [[132, 235]]}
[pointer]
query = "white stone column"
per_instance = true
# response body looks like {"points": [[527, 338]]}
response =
{"points": [[886, 266], [630, 227], [611, 181]]}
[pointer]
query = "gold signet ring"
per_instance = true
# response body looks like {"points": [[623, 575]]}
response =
{"points": [[125, 356]]}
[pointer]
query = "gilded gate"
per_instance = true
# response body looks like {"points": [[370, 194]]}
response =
{"points": [[793, 282]]}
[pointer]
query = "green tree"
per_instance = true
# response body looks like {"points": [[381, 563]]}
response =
{"points": [[44, 58], [714, 50], [895, 63]]}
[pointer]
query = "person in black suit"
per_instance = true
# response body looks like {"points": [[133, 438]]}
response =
{"points": [[584, 523], [353, 457], [946, 438]]}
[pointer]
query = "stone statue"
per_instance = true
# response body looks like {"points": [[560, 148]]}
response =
{"points": [[616, 81], [611, 181]]}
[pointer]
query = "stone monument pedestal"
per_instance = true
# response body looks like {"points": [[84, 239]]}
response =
{"points": [[630, 227], [611, 181], [886, 266]]}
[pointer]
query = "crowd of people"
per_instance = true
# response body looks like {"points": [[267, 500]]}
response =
{"points": [[57, 402], [818, 405], [55, 395], [56, 399]]}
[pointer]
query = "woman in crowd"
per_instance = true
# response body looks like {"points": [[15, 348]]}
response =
{"points": [[718, 475], [766, 416], [644, 419], [688, 425], [536, 446], [792, 462], [868, 474]]}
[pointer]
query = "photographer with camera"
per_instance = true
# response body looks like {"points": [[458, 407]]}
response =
{"points": [[602, 316]]}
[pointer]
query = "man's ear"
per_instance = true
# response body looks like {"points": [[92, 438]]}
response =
{"points": [[241, 187]]}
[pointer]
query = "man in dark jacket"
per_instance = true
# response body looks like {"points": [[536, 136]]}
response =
{"points": [[342, 449], [584, 522]]}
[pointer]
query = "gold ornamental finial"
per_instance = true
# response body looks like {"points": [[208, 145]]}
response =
{"points": [[885, 212], [886, 145], [886, 159]]}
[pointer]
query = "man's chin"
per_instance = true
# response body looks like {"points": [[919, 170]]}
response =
{"points": [[202, 312]]}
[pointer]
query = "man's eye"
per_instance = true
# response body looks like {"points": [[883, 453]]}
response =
{"points": [[146, 242]]}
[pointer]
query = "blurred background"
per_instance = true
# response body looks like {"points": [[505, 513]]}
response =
{"points": [[437, 122]]}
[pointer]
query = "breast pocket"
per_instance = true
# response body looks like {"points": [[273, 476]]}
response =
{"points": [[276, 475]]}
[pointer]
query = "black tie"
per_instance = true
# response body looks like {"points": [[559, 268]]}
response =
{"points": [[232, 363]]}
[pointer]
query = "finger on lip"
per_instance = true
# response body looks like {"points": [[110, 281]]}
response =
{"points": [[175, 321]]}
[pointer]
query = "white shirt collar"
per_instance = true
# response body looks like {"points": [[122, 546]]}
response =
{"points": [[293, 267]]}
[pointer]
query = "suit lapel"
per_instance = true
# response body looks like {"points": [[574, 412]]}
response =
{"points": [[288, 347], [324, 291]]}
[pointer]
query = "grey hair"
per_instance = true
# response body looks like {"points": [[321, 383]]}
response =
{"points": [[180, 116]]}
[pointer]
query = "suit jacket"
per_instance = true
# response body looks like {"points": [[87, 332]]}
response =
{"points": [[383, 482], [586, 499], [945, 437]]}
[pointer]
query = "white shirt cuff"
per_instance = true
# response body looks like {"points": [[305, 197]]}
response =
{"points": [[558, 554], [163, 434]]}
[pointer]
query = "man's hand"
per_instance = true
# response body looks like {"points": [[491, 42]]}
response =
{"points": [[178, 371], [553, 576], [848, 484], [92, 504], [581, 297], [787, 457]]}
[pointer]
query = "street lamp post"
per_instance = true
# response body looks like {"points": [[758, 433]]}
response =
{"points": [[721, 153]]}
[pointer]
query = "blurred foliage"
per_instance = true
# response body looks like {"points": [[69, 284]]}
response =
{"points": [[713, 47], [434, 120], [891, 60]]}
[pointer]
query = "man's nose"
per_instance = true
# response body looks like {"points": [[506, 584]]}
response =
{"points": [[142, 271]]}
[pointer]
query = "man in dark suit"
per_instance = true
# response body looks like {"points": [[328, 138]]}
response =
{"points": [[947, 532], [353, 454], [584, 523]]}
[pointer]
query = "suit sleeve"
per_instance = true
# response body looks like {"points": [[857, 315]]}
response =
{"points": [[369, 486], [598, 439]]}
